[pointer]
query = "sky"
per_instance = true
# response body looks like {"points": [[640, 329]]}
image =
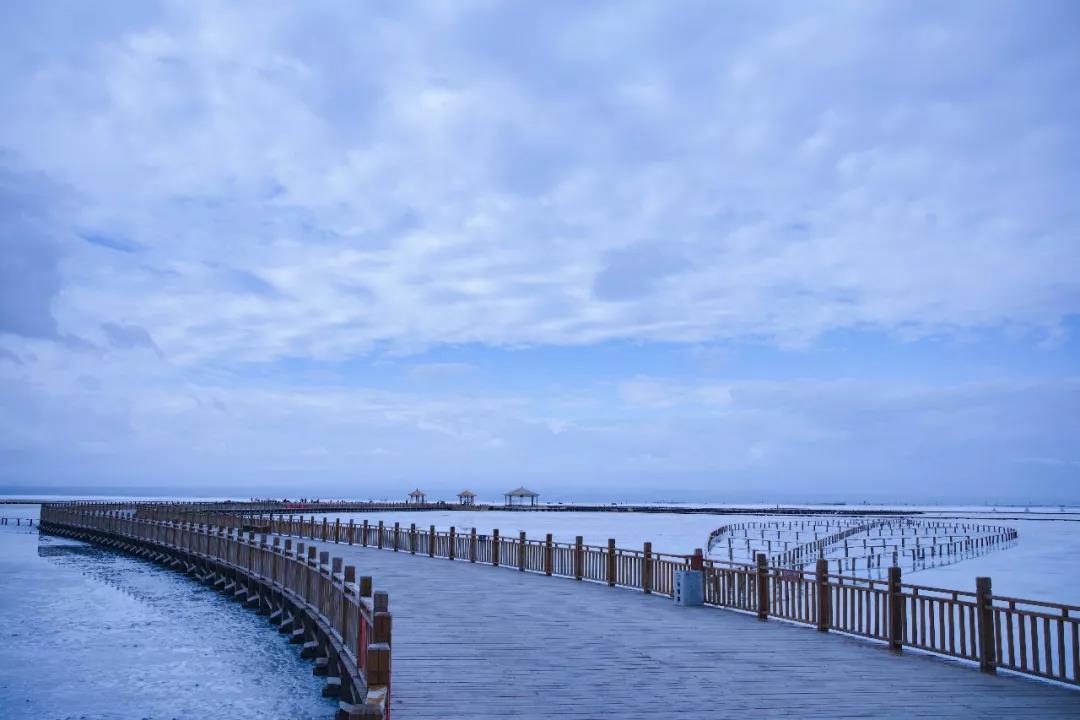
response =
{"points": [[698, 251]]}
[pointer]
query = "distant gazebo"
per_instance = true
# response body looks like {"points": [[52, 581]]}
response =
{"points": [[418, 497], [520, 494], [466, 497]]}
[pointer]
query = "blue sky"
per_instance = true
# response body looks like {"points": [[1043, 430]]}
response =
{"points": [[697, 250]]}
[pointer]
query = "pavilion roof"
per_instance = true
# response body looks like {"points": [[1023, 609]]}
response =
{"points": [[466, 493], [522, 492], [417, 493]]}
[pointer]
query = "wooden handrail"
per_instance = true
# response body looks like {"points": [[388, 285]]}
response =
{"points": [[337, 619], [968, 625]]}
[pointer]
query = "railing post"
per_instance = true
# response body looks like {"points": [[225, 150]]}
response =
{"points": [[495, 547], [984, 603], [579, 557], [762, 586], [549, 554], [646, 568], [896, 610], [397, 532], [364, 534], [450, 549], [380, 534], [472, 545], [611, 562], [521, 551], [431, 542], [351, 531], [412, 538], [824, 605]]}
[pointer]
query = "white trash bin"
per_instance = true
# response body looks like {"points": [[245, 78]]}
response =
{"points": [[689, 587]]}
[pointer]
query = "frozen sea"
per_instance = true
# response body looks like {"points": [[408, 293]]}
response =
{"points": [[91, 633], [1040, 566]]}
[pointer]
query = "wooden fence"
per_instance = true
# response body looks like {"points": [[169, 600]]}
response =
{"points": [[340, 621], [1029, 637]]}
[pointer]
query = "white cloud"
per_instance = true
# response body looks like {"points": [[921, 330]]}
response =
{"points": [[409, 180], [235, 184]]}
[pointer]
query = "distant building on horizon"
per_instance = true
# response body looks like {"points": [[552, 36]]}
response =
{"points": [[520, 494]]}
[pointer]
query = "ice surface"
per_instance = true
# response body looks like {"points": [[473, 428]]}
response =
{"points": [[1042, 565], [92, 633]]}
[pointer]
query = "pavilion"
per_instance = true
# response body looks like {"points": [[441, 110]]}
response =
{"points": [[417, 496], [467, 497], [521, 493]]}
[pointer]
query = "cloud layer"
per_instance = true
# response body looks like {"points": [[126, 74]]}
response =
{"points": [[188, 190]]}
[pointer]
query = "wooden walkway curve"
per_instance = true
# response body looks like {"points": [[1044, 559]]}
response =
{"points": [[478, 642]]}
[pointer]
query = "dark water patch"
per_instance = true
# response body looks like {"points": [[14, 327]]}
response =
{"points": [[91, 633]]}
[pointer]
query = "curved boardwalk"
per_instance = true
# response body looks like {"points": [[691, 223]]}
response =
{"points": [[482, 642]]}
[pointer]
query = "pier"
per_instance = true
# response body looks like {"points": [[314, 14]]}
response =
{"points": [[493, 624]]}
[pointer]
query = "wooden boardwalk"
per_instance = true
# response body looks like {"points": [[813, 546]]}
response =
{"points": [[474, 641]]}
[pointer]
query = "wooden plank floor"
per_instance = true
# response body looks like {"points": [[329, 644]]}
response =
{"points": [[473, 641]]}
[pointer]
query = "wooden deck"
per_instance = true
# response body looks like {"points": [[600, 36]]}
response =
{"points": [[474, 641]]}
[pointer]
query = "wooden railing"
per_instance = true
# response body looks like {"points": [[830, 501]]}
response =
{"points": [[1025, 636], [316, 599]]}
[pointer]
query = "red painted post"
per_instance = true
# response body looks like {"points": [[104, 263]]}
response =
{"points": [[646, 568], [611, 562], [984, 602], [762, 586], [549, 554], [824, 603], [896, 611]]}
